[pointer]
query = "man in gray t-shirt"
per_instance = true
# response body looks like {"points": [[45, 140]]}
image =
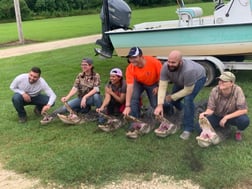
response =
{"points": [[188, 78]]}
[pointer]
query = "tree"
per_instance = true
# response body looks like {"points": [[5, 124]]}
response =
{"points": [[40, 6], [7, 10]]}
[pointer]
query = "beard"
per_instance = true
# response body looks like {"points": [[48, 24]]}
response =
{"points": [[31, 81], [173, 68]]}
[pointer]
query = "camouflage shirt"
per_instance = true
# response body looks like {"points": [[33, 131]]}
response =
{"points": [[222, 105], [85, 83]]}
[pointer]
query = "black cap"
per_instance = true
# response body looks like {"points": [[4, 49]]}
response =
{"points": [[135, 51]]}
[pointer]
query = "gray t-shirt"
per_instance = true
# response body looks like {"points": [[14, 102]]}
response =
{"points": [[187, 75]]}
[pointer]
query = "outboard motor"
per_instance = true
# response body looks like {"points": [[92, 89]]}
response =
{"points": [[114, 14]]}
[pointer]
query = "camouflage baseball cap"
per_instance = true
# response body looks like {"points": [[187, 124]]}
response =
{"points": [[227, 76]]}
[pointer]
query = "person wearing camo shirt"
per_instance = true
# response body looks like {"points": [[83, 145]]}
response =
{"points": [[188, 78], [87, 88], [227, 106]]}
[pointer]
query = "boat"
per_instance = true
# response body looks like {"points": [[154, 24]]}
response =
{"points": [[225, 34]]}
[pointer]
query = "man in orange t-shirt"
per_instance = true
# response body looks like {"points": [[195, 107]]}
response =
{"points": [[142, 74]]}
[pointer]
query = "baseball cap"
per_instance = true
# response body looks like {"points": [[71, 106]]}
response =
{"points": [[116, 71], [88, 60], [134, 51], [227, 76]]}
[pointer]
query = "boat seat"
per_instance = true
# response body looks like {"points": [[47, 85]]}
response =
{"points": [[187, 14]]}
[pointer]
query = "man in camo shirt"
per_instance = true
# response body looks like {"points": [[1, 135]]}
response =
{"points": [[227, 105]]}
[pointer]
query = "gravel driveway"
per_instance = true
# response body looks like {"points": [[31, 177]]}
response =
{"points": [[12, 180], [47, 46]]}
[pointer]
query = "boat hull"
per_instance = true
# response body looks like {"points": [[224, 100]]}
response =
{"points": [[210, 40]]}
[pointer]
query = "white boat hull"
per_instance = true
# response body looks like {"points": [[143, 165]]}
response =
{"points": [[228, 39]]}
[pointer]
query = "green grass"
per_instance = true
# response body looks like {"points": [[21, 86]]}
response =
{"points": [[76, 26], [71, 155], [79, 154], [52, 29]]}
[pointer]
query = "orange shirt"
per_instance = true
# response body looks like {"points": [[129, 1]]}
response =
{"points": [[148, 75]]}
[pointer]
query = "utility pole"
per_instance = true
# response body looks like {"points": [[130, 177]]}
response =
{"points": [[19, 21]]}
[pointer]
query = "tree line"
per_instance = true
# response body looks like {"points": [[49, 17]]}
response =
{"points": [[34, 9]]}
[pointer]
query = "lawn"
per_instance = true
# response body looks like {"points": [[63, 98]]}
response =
{"points": [[80, 154], [71, 155], [76, 26]]}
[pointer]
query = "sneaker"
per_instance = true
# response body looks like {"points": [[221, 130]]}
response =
{"points": [[22, 119], [238, 136], [185, 135], [46, 120]]}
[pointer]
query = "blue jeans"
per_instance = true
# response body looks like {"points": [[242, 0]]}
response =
{"points": [[94, 100], [241, 122], [19, 103], [188, 106], [137, 92]]}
